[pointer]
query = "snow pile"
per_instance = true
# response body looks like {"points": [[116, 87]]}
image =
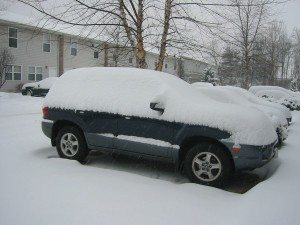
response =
{"points": [[43, 84], [129, 92]]}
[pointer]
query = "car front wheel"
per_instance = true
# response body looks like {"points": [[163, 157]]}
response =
{"points": [[208, 163], [70, 144]]}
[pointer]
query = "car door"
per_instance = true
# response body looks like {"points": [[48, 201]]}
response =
{"points": [[145, 136], [101, 128]]}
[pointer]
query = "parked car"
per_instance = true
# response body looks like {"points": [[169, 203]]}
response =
{"points": [[39, 88], [279, 95], [232, 95], [260, 101], [156, 115]]}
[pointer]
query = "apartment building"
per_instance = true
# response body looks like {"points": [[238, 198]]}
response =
{"points": [[39, 53]]}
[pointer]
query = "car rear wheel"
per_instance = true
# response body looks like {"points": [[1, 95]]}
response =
{"points": [[70, 144], [29, 92], [208, 163]]}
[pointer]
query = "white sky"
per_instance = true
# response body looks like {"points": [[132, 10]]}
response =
{"points": [[290, 14]]}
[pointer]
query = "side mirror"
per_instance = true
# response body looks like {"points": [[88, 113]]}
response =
{"points": [[155, 106]]}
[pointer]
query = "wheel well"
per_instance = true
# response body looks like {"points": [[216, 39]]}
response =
{"points": [[188, 143], [59, 125]]}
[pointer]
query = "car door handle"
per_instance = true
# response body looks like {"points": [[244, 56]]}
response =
{"points": [[127, 117]]}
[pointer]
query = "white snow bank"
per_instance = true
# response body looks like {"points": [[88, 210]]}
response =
{"points": [[43, 84], [129, 91]]}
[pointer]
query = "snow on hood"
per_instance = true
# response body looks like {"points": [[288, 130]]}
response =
{"points": [[129, 91], [227, 95], [43, 84]]}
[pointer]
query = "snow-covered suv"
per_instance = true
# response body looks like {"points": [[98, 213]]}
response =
{"points": [[152, 114]]}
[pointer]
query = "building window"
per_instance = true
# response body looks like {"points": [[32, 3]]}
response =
{"points": [[73, 48], [130, 60], [96, 54], [166, 66], [35, 73], [46, 43], [12, 37], [13, 73]]}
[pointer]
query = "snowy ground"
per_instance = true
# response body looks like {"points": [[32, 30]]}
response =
{"points": [[37, 187]]}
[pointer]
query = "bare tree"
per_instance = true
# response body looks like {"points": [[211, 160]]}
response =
{"points": [[169, 27], [6, 59]]}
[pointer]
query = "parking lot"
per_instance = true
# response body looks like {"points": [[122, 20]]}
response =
{"points": [[37, 187]]}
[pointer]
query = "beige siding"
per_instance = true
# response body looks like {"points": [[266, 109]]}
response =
{"points": [[28, 53]]}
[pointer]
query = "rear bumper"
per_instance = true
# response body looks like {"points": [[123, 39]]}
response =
{"points": [[251, 157], [47, 127]]}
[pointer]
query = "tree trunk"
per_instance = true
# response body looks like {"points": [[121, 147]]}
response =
{"points": [[163, 42], [140, 52]]}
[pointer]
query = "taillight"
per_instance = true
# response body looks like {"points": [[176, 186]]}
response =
{"points": [[45, 111]]}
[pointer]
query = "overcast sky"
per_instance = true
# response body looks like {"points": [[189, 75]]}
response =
{"points": [[290, 13]]}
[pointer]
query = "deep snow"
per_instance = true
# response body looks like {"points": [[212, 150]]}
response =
{"points": [[39, 188]]}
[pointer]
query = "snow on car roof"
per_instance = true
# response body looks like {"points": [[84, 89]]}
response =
{"points": [[129, 91], [202, 84], [44, 84]]}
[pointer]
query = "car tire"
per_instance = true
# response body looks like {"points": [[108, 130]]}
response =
{"points": [[207, 163], [71, 144], [29, 92]]}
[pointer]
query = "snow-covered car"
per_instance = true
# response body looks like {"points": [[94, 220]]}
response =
{"points": [[152, 114], [277, 94], [234, 95], [40, 88], [260, 101]]}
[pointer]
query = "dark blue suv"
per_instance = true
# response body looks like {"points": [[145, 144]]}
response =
{"points": [[154, 115]]}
